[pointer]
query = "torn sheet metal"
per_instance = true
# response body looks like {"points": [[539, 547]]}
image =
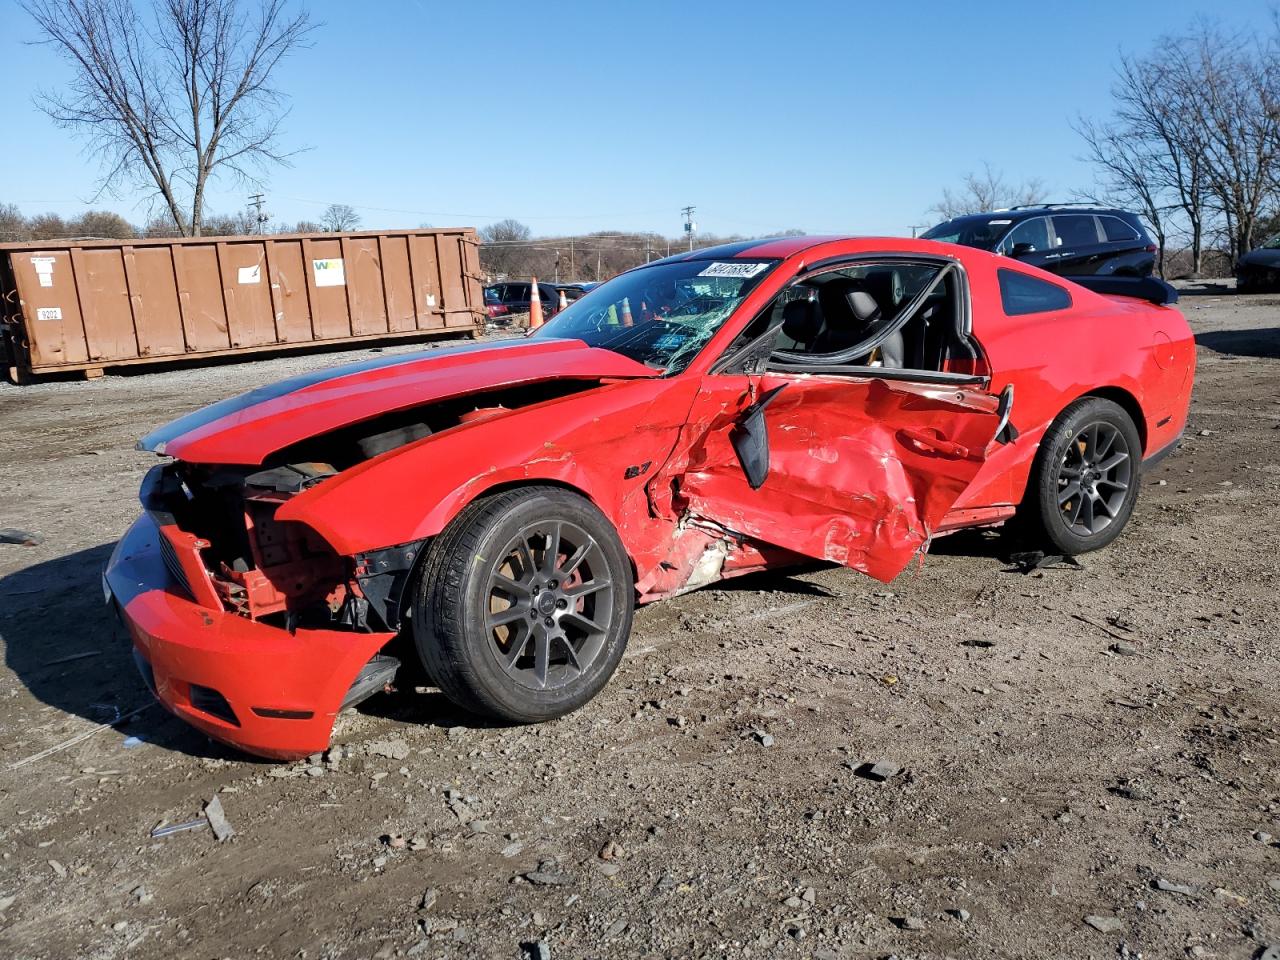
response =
{"points": [[860, 472]]}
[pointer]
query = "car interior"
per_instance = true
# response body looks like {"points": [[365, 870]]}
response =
{"points": [[900, 316]]}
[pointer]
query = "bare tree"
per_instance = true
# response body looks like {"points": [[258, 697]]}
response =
{"points": [[985, 191], [1157, 117], [1130, 177], [504, 249], [338, 217], [1234, 86], [13, 225], [176, 105]]}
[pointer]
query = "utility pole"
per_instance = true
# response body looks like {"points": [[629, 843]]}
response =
{"points": [[689, 226], [573, 274], [259, 218]]}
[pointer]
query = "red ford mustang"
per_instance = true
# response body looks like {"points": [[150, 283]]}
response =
{"points": [[499, 509]]}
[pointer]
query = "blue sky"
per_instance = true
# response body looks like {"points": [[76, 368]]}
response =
{"points": [[827, 117]]}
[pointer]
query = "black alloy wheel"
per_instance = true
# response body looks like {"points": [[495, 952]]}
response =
{"points": [[524, 604], [1086, 476]]}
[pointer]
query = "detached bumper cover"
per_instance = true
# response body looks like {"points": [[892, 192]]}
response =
{"points": [[249, 684]]}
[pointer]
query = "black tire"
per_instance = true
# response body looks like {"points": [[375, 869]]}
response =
{"points": [[497, 561], [1079, 499]]}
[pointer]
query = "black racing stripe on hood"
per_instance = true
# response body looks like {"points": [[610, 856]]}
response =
{"points": [[714, 253], [156, 440]]}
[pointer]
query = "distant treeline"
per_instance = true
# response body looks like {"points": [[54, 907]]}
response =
{"points": [[104, 225]]}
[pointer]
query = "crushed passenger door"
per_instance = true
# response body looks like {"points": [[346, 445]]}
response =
{"points": [[858, 470]]}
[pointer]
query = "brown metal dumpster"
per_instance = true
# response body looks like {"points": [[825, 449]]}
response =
{"points": [[89, 305]]}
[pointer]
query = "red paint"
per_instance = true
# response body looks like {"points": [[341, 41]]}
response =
{"points": [[863, 470]]}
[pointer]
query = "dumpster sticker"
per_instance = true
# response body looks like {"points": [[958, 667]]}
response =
{"points": [[251, 274], [44, 270], [49, 313], [329, 273]]}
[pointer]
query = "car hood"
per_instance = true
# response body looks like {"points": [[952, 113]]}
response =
{"points": [[247, 429]]}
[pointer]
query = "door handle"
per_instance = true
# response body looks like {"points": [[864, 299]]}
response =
{"points": [[926, 441]]}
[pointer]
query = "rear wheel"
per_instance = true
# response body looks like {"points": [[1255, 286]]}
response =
{"points": [[1085, 481], [525, 604]]}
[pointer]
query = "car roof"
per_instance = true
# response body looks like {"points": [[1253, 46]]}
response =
{"points": [[1026, 212]]}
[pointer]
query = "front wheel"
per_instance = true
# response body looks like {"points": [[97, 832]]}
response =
{"points": [[1085, 480], [525, 605]]}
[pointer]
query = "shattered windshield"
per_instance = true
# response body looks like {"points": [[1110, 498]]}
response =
{"points": [[661, 315]]}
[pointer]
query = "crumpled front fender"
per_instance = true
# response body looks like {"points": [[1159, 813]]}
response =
{"points": [[606, 445]]}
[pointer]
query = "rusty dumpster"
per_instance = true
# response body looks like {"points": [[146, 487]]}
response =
{"points": [[90, 305]]}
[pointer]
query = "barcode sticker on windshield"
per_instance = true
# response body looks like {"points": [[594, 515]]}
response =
{"points": [[741, 270]]}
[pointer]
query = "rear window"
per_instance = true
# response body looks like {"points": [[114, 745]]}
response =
{"points": [[1117, 230], [1075, 230], [1021, 294]]}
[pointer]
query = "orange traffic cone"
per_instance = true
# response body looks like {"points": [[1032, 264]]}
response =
{"points": [[626, 312], [535, 306], [564, 302]]}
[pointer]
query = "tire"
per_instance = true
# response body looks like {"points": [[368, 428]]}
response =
{"points": [[1106, 479], [507, 633]]}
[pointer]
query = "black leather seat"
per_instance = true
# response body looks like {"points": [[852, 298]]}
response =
{"points": [[852, 311], [801, 322]]}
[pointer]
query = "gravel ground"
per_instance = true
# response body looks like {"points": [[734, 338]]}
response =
{"points": [[1083, 762]]}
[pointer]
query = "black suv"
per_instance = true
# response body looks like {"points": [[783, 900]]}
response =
{"points": [[1065, 238]]}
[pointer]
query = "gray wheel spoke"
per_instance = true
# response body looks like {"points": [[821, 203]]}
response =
{"points": [[1108, 441], [1069, 472], [1070, 490], [1105, 506], [503, 617], [580, 590], [570, 652], [1086, 512], [516, 650], [1091, 442], [572, 563], [583, 622], [1113, 483], [511, 587], [551, 554], [541, 656], [1074, 518], [1112, 462], [525, 554]]}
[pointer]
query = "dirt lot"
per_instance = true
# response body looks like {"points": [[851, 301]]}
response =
{"points": [[1045, 777]]}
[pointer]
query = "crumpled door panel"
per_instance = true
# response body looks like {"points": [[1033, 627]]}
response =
{"points": [[860, 471]]}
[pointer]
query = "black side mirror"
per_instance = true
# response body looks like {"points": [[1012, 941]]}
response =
{"points": [[750, 439], [1021, 250]]}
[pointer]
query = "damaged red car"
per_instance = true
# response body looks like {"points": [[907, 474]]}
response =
{"points": [[498, 510]]}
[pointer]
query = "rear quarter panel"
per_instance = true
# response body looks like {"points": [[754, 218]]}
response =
{"points": [[1118, 346]]}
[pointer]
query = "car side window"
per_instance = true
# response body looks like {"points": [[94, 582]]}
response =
{"points": [[1022, 294], [1075, 229], [1117, 230], [1034, 231], [516, 292]]}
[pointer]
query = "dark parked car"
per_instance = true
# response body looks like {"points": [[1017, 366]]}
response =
{"points": [[503, 299], [575, 291], [1067, 239], [1259, 269]]}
